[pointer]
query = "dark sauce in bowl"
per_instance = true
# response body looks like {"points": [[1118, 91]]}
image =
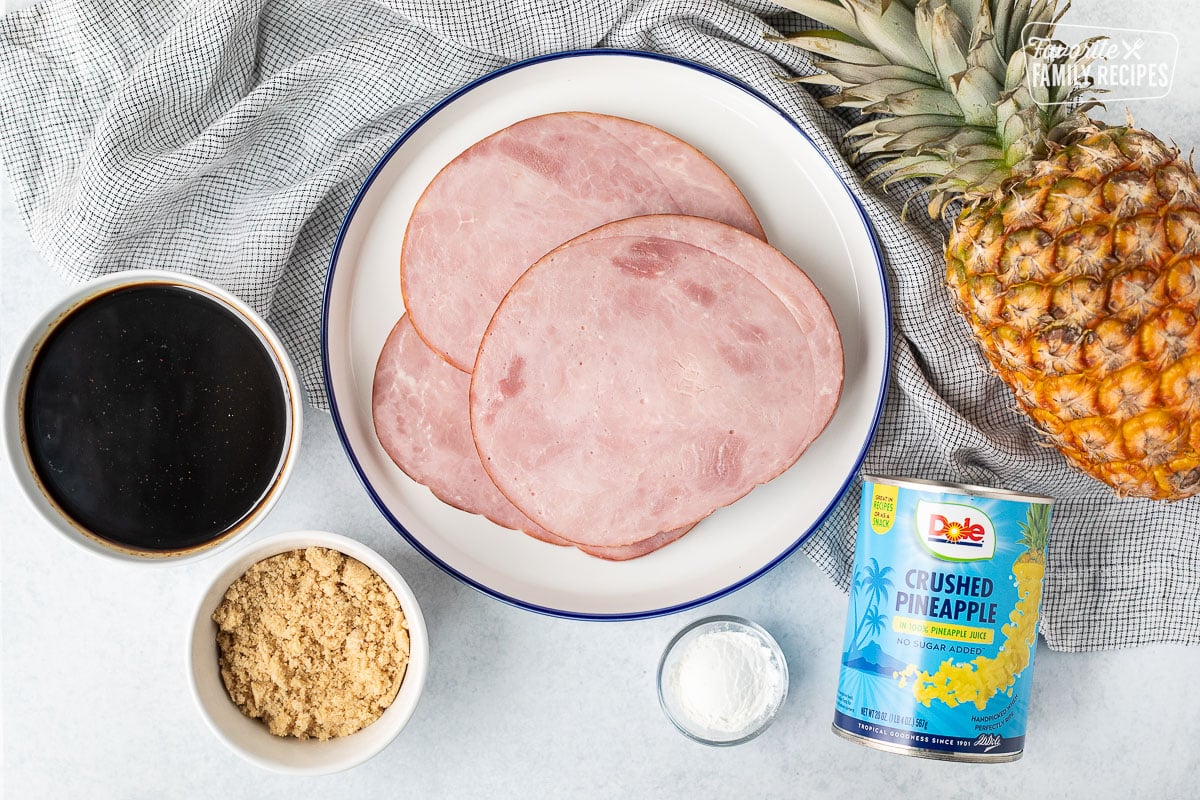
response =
{"points": [[155, 417]]}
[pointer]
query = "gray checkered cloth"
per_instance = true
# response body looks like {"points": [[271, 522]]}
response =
{"points": [[227, 138]]}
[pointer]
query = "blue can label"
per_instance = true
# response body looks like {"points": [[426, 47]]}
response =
{"points": [[942, 623]]}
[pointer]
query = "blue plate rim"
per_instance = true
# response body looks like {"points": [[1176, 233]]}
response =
{"points": [[360, 472]]}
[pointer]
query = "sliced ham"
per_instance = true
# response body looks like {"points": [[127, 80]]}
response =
{"points": [[637, 549], [419, 405], [777, 272], [510, 198], [699, 186], [637, 383]]}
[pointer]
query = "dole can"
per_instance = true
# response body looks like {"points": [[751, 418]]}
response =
{"points": [[941, 628]]}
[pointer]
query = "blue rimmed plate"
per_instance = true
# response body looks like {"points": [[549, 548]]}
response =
{"points": [[807, 213]]}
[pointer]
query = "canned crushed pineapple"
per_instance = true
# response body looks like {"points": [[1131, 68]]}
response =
{"points": [[942, 624]]}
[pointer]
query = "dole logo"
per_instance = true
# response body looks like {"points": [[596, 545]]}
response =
{"points": [[955, 532]]}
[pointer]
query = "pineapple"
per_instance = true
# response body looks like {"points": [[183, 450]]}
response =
{"points": [[980, 679], [1075, 257], [1035, 532]]}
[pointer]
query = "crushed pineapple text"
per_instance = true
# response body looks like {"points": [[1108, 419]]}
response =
{"points": [[954, 604]]}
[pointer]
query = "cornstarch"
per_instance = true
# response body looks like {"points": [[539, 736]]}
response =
{"points": [[725, 681]]}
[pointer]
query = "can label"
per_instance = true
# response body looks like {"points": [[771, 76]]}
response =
{"points": [[942, 622]]}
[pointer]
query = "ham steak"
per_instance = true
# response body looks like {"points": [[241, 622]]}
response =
{"points": [[419, 405], [634, 384], [636, 549], [777, 272], [510, 198], [656, 362]]}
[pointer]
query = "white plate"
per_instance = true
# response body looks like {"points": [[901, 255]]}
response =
{"points": [[808, 214]]}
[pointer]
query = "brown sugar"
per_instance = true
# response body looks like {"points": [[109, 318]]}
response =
{"points": [[312, 642]]}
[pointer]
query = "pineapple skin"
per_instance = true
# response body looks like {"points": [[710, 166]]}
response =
{"points": [[1081, 283]]}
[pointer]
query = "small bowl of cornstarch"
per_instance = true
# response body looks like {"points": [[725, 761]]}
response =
{"points": [[722, 680]]}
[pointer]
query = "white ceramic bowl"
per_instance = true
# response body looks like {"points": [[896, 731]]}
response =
{"points": [[249, 738], [13, 426], [807, 212]]}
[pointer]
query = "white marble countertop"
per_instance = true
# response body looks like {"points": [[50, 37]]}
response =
{"points": [[96, 701]]}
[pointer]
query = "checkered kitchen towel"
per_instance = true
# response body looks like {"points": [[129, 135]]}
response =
{"points": [[226, 138]]}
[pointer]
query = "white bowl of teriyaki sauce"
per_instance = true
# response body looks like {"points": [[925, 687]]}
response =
{"points": [[152, 416]]}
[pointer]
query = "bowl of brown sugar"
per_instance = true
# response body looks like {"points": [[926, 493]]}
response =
{"points": [[308, 653]]}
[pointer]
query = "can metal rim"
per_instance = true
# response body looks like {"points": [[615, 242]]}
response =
{"points": [[965, 488], [921, 752]]}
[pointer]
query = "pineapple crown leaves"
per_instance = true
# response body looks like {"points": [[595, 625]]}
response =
{"points": [[943, 86], [1036, 527]]}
